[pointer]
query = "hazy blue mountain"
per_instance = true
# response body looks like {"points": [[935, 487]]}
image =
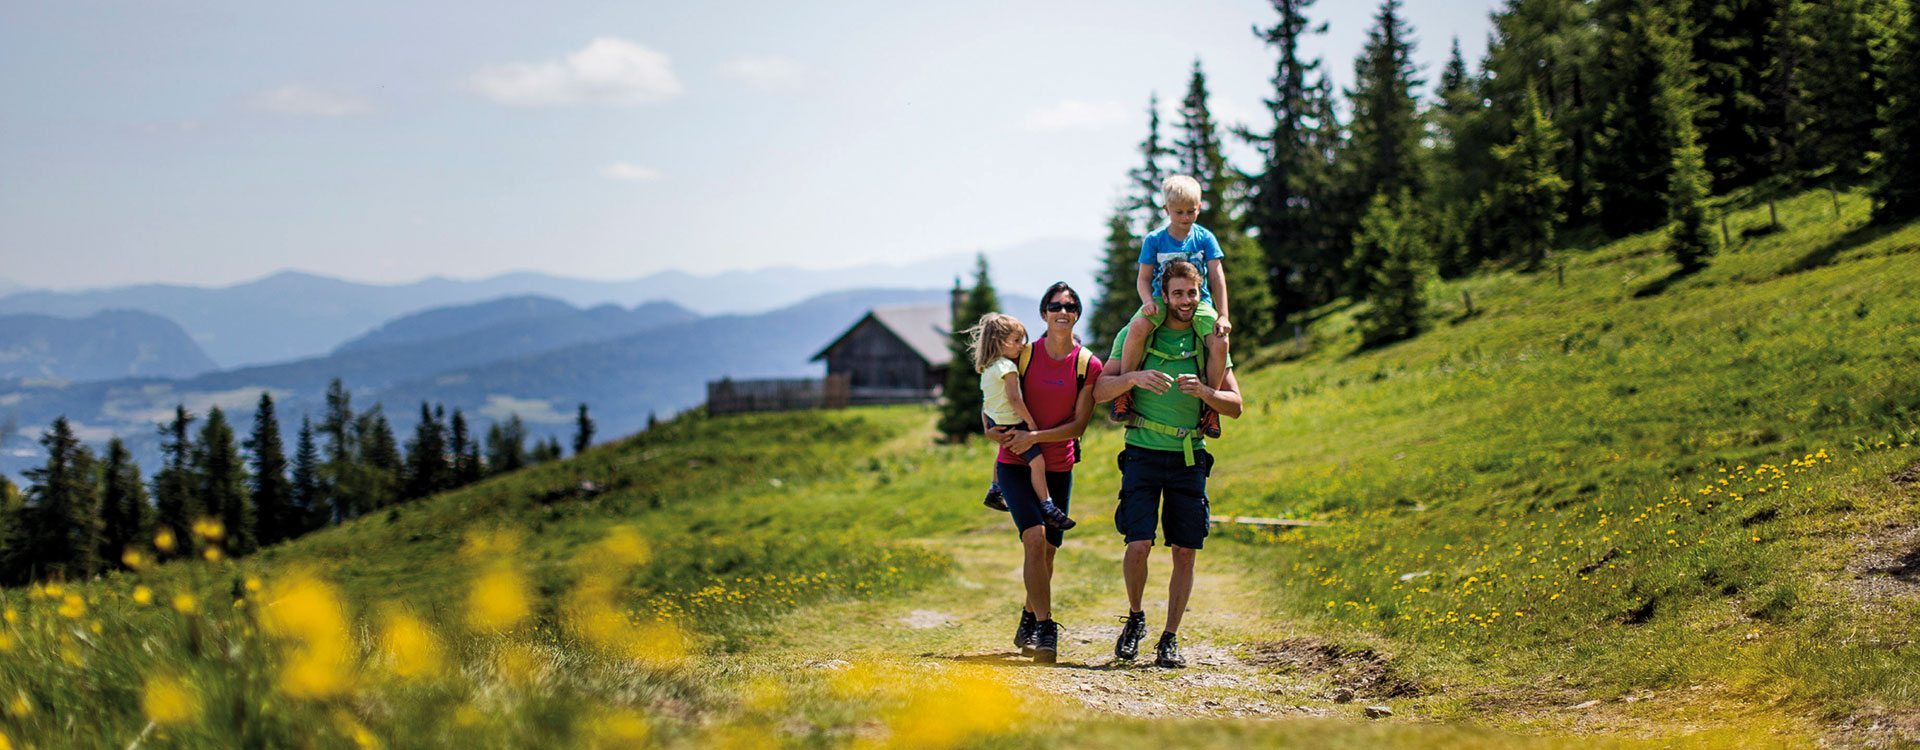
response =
{"points": [[625, 366], [515, 316], [105, 345], [292, 315], [9, 287]]}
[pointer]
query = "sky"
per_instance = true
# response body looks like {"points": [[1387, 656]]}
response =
{"points": [[211, 143]]}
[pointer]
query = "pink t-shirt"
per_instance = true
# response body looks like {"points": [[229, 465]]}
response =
{"points": [[1050, 392]]}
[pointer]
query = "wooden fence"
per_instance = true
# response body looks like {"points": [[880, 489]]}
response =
{"points": [[729, 396]]}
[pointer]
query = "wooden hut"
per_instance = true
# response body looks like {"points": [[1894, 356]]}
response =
{"points": [[893, 354]]}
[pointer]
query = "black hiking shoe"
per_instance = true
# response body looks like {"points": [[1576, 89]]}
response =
{"points": [[1054, 517], [995, 500], [1046, 642], [1122, 408], [1128, 646], [1167, 654], [1023, 637]]}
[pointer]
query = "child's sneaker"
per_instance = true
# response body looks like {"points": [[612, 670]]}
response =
{"points": [[1122, 409], [1054, 517], [1209, 422], [995, 500]]}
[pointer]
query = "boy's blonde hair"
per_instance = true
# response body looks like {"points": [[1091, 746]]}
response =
{"points": [[984, 337], [1180, 189]]}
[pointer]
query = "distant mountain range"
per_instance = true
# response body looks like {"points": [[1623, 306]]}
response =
{"points": [[105, 345], [292, 315], [531, 356]]}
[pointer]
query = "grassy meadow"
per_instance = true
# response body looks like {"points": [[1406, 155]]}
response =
{"points": [[1609, 501]]}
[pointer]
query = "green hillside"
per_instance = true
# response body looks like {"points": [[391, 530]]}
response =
{"points": [[1669, 510]]}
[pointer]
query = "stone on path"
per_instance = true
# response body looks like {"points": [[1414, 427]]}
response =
{"points": [[1378, 712]]}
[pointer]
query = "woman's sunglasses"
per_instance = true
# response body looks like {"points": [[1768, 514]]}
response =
{"points": [[1072, 307]]}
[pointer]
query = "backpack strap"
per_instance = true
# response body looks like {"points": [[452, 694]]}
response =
{"points": [[1026, 358]]}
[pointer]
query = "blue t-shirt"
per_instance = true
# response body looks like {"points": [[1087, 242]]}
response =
{"points": [[1161, 248]]}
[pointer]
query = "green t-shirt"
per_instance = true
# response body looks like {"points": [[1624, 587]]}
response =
{"points": [[1172, 408]]}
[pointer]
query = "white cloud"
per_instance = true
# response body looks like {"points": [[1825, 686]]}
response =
{"points": [[629, 172], [304, 100], [1073, 114], [771, 73], [606, 71]]}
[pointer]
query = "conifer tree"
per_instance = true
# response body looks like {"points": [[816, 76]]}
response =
{"points": [[1396, 296], [465, 449], [310, 507], [1526, 204], [1146, 178], [1279, 203], [380, 460], [62, 514], [340, 476], [276, 518], [582, 431], [1896, 188], [223, 483], [1635, 155], [1386, 123], [126, 520], [1118, 272], [1246, 267], [175, 488], [1559, 49], [546, 450], [1732, 45], [1463, 166], [1200, 156], [14, 551], [428, 469], [960, 402], [1843, 45], [1689, 184], [506, 446]]}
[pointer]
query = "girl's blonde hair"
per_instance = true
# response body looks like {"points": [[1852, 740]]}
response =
{"points": [[984, 337]]}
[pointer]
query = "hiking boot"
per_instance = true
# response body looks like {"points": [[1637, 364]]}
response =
{"points": [[1209, 422], [1128, 646], [1122, 408], [1046, 642], [1167, 654], [995, 500], [1023, 637], [1054, 517]]}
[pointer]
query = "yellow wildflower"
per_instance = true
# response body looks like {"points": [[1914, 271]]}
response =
{"points": [[498, 599], [168, 700], [209, 529], [306, 613], [142, 595], [134, 559], [409, 646], [618, 730], [73, 607], [20, 707], [212, 554], [163, 540], [185, 604]]}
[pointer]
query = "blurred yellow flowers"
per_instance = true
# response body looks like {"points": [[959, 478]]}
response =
{"points": [[167, 700], [410, 648], [305, 612]]}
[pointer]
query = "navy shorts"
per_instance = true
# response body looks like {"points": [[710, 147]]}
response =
{"points": [[1159, 486], [1016, 485], [1032, 453]]}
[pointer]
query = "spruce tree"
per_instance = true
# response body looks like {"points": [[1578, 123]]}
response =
{"points": [[126, 520], [507, 446], [1733, 46], [1279, 198], [276, 518], [1146, 178], [1200, 156], [1896, 186], [1397, 293], [1246, 269], [546, 450], [223, 483], [1843, 45], [175, 488], [960, 400], [428, 469], [466, 456], [62, 514], [1119, 271], [15, 560], [582, 431], [1526, 203], [340, 476], [381, 466], [1464, 164], [1386, 122], [1689, 184], [1559, 49], [310, 509], [1636, 155]]}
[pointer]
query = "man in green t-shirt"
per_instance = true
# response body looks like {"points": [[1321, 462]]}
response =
{"points": [[1165, 458]]}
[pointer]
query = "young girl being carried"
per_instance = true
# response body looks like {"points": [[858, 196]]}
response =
{"points": [[996, 342]]}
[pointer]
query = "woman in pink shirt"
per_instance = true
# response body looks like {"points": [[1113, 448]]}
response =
{"points": [[1061, 400]]}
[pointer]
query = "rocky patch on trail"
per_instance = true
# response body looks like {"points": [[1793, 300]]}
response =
{"points": [[1888, 567], [1354, 672]]}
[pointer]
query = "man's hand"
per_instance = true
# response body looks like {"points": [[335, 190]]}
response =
{"points": [[1193, 386], [1019, 442], [1152, 380], [1222, 326], [1150, 309], [999, 434]]}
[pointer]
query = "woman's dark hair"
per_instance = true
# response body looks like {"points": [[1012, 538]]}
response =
{"points": [[1058, 287]]}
